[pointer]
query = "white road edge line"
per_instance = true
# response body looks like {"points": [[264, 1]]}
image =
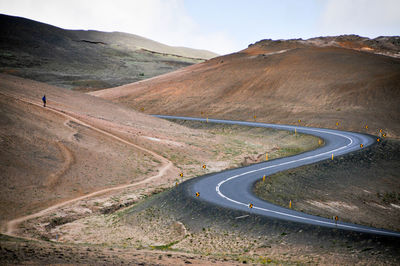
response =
{"points": [[217, 188], [283, 127]]}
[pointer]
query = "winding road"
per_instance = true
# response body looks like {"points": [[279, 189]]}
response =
{"points": [[233, 188]]}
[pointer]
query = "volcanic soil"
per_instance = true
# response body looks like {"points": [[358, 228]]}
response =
{"points": [[81, 156], [319, 82]]}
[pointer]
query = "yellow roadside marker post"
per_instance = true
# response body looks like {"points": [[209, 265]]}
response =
{"points": [[255, 117], [299, 120], [290, 204], [181, 174], [176, 184], [378, 139], [204, 166], [266, 156], [366, 126], [319, 142], [336, 219], [361, 145], [197, 194], [250, 205], [332, 156], [380, 130], [337, 124], [264, 178]]}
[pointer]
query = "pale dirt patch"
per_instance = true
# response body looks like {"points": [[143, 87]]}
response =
{"points": [[217, 166], [165, 141], [374, 204], [334, 206], [146, 231], [395, 205]]}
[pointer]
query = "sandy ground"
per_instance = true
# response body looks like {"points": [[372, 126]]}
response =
{"points": [[81, 157]]}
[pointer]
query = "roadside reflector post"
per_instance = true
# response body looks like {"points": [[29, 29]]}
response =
{"points": [[319, 142], [181, 175], [290, 204], [366, 126], [299, 120], [250, 205], [204, 166], [336, 219], [255, 117], [337, 124], [378, 139], [361, 145], [176, 184], [264, 178], [197, 194], [332, 156], [266, 156]]}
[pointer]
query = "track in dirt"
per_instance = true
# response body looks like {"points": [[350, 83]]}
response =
{"points": [[166, 165]]}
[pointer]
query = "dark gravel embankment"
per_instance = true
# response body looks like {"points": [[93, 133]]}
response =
{"points": [[362, 187], [196, 215]]}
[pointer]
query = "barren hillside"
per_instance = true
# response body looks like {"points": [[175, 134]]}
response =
{"points": [[281, 82], [79, 144], [85, 60]]}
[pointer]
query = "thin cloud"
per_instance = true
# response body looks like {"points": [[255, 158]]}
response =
{"points": [[363, 17]]}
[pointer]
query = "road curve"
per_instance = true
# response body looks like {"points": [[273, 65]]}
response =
{"points": [[233, 188]]}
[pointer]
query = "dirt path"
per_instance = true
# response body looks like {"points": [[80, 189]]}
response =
{"points": [[53, 178], [165, 165]]}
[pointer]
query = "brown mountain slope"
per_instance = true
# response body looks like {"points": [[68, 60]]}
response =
{"points": [[279, 82], [85, 60]]}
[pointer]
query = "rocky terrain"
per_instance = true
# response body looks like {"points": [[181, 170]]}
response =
{"points": [[385, 45], [361, 187]]}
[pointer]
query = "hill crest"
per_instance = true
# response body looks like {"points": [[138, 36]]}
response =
{"points": [[85, 60], [384, 45]]}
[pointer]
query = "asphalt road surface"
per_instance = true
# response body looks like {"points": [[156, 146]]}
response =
{"points": [[233, 188]]}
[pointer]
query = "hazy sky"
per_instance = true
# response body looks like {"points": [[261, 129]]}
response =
{"points": [[222, 26]]}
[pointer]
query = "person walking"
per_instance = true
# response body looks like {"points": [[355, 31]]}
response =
{"points": [[44, 100]]}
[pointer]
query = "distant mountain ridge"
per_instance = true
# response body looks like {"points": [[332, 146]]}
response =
{"points": [[131, 42], [85, 59], [385, 45]]}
